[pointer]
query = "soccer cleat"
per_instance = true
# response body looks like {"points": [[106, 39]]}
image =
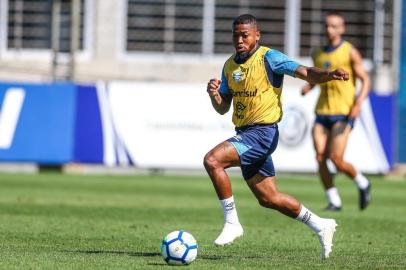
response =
{"points": [[332, 207], [326, 237], [229, 233], [364, 197]]}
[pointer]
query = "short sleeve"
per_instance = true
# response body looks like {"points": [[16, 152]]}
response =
{"points": [[280, 63], [224, 89]]}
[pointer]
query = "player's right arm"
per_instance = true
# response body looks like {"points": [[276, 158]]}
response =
{"points": [[307, 88], [221, 103]]}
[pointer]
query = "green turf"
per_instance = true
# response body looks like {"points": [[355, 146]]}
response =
{"points": [[52, 221]]}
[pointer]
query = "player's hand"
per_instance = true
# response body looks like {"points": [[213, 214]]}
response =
{"points": [[306, 89], [355, 111], [340, 74], [213, 87]]}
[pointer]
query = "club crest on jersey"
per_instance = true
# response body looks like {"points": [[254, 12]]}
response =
{"points": [[238, 75], [326, 64]]}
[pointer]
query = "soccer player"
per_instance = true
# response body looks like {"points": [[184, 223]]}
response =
{"points": [[252, 81], [336, 110]]}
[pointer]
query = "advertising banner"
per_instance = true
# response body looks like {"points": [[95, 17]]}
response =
{"points": [[159, 125], [37, 122], [166, 125], [169, 125]]}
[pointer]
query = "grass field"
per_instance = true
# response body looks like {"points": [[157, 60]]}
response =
{"points": [[52, 221]]}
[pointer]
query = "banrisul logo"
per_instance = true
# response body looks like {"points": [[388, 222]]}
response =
{"points": [[238, 75], [245, 93]]}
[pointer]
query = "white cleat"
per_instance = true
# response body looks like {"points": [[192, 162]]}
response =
{"points": [[326, 237], [229, 233]]}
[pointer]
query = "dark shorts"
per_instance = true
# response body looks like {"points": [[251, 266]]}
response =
{"points": [[254, 145], [328, 121]]}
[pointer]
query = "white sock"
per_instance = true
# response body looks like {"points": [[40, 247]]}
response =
{"points": [[361, 181], [229, 210], [312, 220], [333, 197]]}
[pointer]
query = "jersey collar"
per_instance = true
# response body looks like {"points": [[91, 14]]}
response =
{"points": [[329, 49], [242, 59]]}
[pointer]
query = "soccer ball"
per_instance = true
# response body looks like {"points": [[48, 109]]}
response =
{"points": [[178, 248]]}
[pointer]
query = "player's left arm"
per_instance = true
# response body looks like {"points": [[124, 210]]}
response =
{"points": [[360, 73], [281, 64], [314, 75], [309, 86]]}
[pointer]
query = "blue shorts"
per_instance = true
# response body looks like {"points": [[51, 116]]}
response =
{"points": [[328, 121], [254, 145]]}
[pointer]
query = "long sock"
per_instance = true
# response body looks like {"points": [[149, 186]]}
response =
{"points": [[361, 181], [333, 197], [229, 210], [310, 219]]}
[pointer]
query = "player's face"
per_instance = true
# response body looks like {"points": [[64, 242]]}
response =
{"points": [[334, 27], [245, 38]]}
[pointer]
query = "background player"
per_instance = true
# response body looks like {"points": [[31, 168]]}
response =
{"points": [[252, 80], [336, 110]]}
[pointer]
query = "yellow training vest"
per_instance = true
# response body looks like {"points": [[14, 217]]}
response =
{"points": [[336, 97], [255, 100]]}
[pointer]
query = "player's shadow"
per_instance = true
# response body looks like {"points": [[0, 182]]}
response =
{"points": [[212, 257], [222, 257], [153, 254], [117, 252]]}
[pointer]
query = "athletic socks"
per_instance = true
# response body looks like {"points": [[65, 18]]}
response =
{"points": [[333, 197], [332, 193], [361, 181], [232, 228], [229, 210], [310, 219]]}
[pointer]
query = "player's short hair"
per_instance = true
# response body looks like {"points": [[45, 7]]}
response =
{"points": [[335, 13], [245, 19]]}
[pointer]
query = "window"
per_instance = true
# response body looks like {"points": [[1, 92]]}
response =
{"points": [[359, 17], [177, 25], [270, 14], [165, 25], [30, 24]]}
